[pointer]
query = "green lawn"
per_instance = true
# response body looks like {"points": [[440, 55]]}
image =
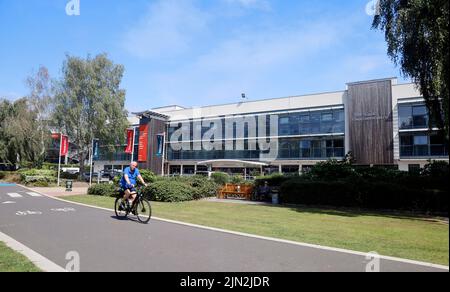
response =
{"points": [[11, 261], [399, 235]]}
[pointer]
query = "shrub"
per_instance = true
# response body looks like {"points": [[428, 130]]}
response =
{"points": [[237, 180], [220, 178], [37, 172], [147, 175], [169, 190], [202, 186], [39, 181], [436, 169], [2, 175], [330, 170], [104, 190]]}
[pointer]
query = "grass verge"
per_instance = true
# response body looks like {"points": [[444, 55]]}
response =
{"points": [[11, 261]]}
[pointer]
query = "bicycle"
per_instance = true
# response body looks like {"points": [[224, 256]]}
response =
{"points": [[141, 207]]}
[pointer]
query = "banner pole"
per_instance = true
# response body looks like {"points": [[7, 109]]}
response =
{"points": [[59, 163], [91, 160], [132, 144], [163, 152]]}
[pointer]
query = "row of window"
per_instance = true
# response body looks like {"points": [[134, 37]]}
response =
{"points": [[305, 123], [294, 148], [423, 145]]}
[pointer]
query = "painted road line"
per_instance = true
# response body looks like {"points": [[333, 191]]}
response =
{"points": [[40, 261], [33, 194], [14, 195]]}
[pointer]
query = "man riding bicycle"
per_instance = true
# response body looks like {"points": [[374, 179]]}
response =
{"points": [[128, 183]]}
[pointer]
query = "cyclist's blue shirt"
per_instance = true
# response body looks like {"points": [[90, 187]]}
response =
{"points": [[132, 176]]}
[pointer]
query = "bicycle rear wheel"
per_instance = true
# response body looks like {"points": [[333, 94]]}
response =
{"points": [[144, 211], [119, 213]]}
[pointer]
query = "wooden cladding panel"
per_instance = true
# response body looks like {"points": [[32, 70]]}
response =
{"points": [[370, 121]]}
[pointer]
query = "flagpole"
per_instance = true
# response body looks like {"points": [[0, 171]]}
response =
{"points": [[132, 145], [163, 152], [90, 162], [59, 163]]}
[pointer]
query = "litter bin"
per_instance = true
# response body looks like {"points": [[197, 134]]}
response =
{"points": [[69, 185], [275, 198]]}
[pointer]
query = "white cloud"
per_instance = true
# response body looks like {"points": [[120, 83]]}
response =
{"points": [[168, 29]]}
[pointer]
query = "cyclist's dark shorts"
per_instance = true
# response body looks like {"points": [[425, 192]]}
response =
{"points": [[132, 190]]}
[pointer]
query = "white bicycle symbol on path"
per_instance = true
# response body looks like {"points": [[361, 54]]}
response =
{"points": [[25, 213], [65, 210]]}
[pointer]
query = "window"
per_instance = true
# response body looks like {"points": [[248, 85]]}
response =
{"points": [[305, 148], [405, 117], [413, 116], [420, 140], [420, 117], [327, 117], [304, 118], [284, 120], [423, 145]]}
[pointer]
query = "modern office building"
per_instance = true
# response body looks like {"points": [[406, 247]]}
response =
{"points": [[379, 121], [118, 160]]}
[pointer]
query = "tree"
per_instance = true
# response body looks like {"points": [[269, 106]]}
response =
{"points": [[89, 103], [416, 32], [19, 140], [40, 102]]}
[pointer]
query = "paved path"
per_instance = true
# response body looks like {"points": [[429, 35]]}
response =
{"points": [[53, 228]]}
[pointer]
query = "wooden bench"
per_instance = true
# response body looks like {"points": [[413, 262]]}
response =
{"points": [[242, 192]]}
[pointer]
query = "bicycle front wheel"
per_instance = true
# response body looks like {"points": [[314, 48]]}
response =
{"points": [[144, 211], [119, 213]]}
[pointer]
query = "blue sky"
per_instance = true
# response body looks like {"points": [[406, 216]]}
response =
{"points": [[198, 52]]}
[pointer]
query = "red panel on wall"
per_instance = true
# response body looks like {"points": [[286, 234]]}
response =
{"points": [[143, 143]]}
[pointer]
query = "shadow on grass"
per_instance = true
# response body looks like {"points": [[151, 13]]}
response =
{"points": [[356, 212]]}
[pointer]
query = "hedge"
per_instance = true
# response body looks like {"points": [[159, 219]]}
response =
{"points": [[274, 180], [364, 194], [105, 190], [39, 181], [169, 191]]}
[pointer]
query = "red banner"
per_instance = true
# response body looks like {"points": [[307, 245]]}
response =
{"points": [[130, 142], [143, 143], [64, 145]]}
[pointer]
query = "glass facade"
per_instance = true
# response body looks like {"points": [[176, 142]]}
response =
{"points": [[312, 123], [295, 127], [289, 124], [423, 144], [288, 149]]}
